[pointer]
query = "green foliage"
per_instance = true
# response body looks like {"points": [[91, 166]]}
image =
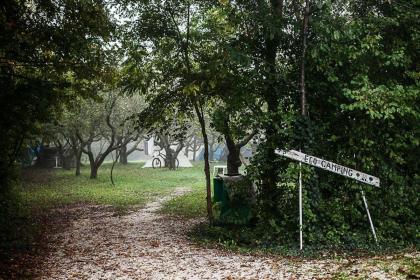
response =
{"points": [[240, 191], [364, 113], [363, 96], [240, 60], [17, 230], [373, 106], [49, 52]]}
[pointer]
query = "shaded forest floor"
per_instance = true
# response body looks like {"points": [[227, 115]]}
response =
{"points": [[95, 243]]}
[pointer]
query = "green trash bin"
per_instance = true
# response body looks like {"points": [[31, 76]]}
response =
{"points": [[217, 189], [235, 211], [220, 194]]}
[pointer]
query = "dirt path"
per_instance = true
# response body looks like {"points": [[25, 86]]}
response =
{"points": [[146, 245]]}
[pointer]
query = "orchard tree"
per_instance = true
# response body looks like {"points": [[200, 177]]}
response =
{"points": [[103, 123], [128, 149], [172, 143], [114, 126], [169, 128], [193, 141]]}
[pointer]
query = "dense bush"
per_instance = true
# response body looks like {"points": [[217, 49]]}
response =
{"points": [[364, 113], [17, 230]]}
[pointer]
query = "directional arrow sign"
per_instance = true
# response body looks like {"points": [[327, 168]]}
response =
{"points": [[330, 166]]}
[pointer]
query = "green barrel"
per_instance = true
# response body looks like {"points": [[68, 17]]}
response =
{"points": [[235, 209], [220, 194], [217, 189]]}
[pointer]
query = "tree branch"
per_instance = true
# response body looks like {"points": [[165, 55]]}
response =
{"points": [[246, 139]]}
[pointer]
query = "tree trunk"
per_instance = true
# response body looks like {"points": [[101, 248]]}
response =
{"points": [[94, 171], [93, 166], [233, 158], [233, 162], [78, 162], [170, 159], [123, 155], [303, 99], [198, 107], [201, 119]]}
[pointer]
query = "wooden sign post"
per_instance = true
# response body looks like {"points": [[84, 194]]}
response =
{"points": [[332, 167]]}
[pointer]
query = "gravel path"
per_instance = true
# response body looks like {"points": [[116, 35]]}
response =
{"points": [[146, 245]]}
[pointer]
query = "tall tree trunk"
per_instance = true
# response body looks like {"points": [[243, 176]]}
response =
{"points": [[94, 171], [123, 155], [170, 159], [200, 115], [303, 100], [78, 162], [93, 166], [233, 158], [198, 107]]}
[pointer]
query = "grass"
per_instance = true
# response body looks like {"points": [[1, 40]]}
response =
{"points": [[134, 186], [190, 205]]}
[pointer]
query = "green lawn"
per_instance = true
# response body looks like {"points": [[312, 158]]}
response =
{"points": [[190, 205], [134, 186]]}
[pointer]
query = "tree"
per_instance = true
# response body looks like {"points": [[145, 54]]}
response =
{"points": [[166, 141], [168, 82], [238, 111], [193, 145], [193, 141], [42, 44], [124, 151], [115, 128], [104, 123], [128, 106], [235, 129]]}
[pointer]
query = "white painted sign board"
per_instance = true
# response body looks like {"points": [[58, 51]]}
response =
{"points": [[330, 166]]}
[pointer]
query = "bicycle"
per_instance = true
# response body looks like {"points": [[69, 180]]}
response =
{"points": [[157, 162]]}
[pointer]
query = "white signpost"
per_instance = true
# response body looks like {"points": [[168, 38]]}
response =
{"points": [[332, 167]]}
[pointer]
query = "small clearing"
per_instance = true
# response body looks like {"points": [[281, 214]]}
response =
{"points": [[97, 244]]}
